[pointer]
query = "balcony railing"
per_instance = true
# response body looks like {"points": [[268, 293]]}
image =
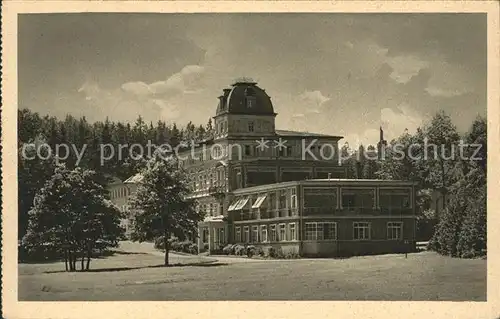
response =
{"points": [[256, 214], [216, 190]]}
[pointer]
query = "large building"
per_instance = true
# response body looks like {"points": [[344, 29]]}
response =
{"points": [[119, 193], [267, 187], [286, 189]]}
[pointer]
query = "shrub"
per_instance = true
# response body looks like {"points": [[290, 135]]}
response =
{"points": [[185, 245], [176, 246], [193, 249], [239, 250], [228, 250], [250, 251], [260, 252], [159, 242], [292, 255], [273, 252]]}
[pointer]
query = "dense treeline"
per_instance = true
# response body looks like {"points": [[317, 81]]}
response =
{"points": [[86, 138], [441, 161]]}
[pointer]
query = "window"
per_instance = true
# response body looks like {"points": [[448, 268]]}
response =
{"points": [[293, 201], [263, 233], [250, 101], [248, 150], [394, 199], [250, 126], [272, 201], [358, 198], [282, 232], [292, 232], [282, 199], [221, 238], [273, 232], [238, 180], [246, 234], [361, 231], [289, 151], [321, 231], [329, 231], [311, 231], [324, 198], [255, 234], [281, 151], [395, 230], [237, 235]]}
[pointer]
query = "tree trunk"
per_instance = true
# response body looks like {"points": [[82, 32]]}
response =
{"points": [[66, 259], [82, 263], [89, 254], [167, 247], [70, 260], [73, 261]]}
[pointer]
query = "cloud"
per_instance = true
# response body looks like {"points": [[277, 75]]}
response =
{"points": [[315, 98], [405, 67], [138, 88], [434, 91], [90, 89], [188, 80], [396, 121]]}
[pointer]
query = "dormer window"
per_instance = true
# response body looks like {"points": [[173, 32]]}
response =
{"points": [[250, 102], [249, 91]]}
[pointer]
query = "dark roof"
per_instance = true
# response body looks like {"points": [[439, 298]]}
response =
{"points": [[303, 134], [234, 100]]}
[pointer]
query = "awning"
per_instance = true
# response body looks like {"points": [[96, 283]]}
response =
{"points": [[212, 219], [233, 205], [241, 204], [259, 201]]}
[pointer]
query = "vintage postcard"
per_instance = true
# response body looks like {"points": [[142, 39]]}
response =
{"points": [[250, 159]]}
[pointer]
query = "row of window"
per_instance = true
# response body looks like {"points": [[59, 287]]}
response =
{"points": [[360, 231], [263, 234], [211, 209], [242, 126], [206, 180], [323, 199], [312, 231], [356, 198], [120, 192]]}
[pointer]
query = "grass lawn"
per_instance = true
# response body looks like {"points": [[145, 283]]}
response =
{"points": [[132, 276]]}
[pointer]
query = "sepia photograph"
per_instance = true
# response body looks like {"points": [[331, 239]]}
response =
{"points": [[252, 156]]}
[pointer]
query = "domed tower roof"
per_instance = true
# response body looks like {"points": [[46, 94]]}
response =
{"points": [[245, 97]]}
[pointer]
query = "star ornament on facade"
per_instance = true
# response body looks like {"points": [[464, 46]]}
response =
{"points": [[280, 144], [262, 144]]}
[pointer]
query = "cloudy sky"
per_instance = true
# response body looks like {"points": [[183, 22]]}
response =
{"points": [[341, 74]]}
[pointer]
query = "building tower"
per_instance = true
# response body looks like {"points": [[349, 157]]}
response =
{"points": [[381, 145], [244, 110]]}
